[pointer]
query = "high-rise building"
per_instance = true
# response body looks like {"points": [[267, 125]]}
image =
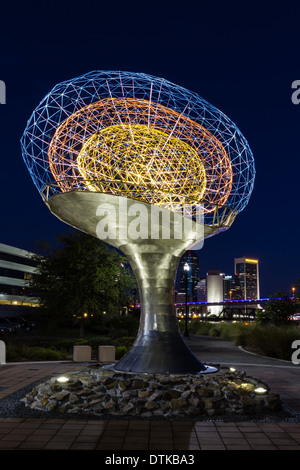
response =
{"points": [[191, 258], [232, 287], [227, 287], [211, 289], [201, 290], [214, 289], [247, 272], [214, 283]]}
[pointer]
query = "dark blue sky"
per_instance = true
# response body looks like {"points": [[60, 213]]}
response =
{"points": [[242, 57]]}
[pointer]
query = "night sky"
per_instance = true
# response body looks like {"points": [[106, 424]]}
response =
{"points": [[242, 59]]}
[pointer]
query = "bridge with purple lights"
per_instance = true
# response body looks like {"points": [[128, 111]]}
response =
{"points": [[232, 309]]}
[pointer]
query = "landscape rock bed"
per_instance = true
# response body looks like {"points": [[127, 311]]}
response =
{"points": [[97, 391]]}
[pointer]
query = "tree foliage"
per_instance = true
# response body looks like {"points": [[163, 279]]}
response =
{"points": [[277, 311], [81, 275]]}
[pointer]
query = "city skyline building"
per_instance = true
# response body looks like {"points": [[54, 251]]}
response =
{"points": [[16, 268], [232, 287], [217, 286], [227, 282], [192, 259], [215, 290], [247, 271], [201, 290]]}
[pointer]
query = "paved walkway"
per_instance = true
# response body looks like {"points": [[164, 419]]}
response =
{"points": [[20, 433]]}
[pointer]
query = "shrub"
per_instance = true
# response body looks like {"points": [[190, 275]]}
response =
{"points": [[271, 341], [277, 311], [120, 352], [126, 341], [124, 326], [94, 341], [226, 330], [24, 353], [195, 326]]}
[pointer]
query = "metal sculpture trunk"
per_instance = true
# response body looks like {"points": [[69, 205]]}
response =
{"points": [[159, 346]]}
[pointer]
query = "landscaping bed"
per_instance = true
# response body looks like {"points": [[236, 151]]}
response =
{"points": [[97, 391]]}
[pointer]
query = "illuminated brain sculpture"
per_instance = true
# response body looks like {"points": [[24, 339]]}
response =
{"points": [[139, 136], [106, 137]]}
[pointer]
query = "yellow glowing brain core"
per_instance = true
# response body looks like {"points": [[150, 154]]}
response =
{"points": [[143, 163]]}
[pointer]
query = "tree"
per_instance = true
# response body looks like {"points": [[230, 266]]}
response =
{"points": [[278, 310], [81, 276]]}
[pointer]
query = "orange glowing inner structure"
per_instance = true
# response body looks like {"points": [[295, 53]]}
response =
{"points": [[140, 149]]}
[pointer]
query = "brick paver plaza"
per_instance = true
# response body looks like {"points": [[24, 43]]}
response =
{"points": [[115, 434]]}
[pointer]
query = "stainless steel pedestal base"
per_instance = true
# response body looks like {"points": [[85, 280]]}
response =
{"points": [[157, 352]]}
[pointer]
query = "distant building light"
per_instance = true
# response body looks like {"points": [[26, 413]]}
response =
{"points": [[186, 267]]}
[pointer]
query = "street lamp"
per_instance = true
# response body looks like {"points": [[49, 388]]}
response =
{"points": [[186, 270], [293, 291]]}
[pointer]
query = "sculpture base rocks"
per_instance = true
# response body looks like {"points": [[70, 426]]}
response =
{"points": [[102, 392]]}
